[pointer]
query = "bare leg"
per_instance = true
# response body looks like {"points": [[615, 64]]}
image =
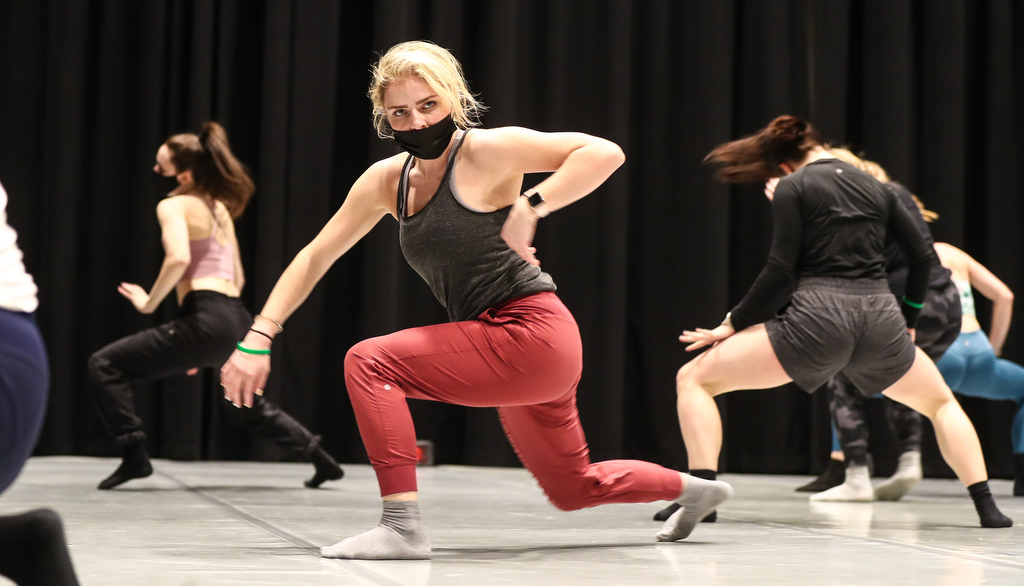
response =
{"points": [[924, 390], [744, 361]]}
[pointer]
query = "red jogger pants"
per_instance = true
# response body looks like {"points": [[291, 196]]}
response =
{"points": [[525, 358]]}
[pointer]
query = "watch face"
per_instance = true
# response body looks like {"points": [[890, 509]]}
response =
{"points": [[535, 199]]}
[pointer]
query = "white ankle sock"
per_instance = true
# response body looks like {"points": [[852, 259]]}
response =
{"points": [[856, 487], [698, 500], [399, 536], [908, 474]]}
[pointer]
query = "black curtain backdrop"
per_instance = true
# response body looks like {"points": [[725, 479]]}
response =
{"points": [[90, 88]]}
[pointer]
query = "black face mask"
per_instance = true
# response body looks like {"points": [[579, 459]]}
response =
{"points": [[163, 185], [429, 142]]}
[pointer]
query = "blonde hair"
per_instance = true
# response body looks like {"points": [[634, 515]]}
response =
{"points": [[435, 66], [928, 215], [870, 167], [875, 170]]}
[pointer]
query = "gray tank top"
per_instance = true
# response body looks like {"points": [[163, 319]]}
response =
{"points": [[459, 252]]}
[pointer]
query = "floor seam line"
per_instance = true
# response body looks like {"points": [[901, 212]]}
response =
{"points": [[929, 549], [279, 533]]}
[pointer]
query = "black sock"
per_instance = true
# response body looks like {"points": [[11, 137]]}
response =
{"points": [[1018, 475], [988, 512], [134, 464], [326, 467], [665, 513], [833, 475]]}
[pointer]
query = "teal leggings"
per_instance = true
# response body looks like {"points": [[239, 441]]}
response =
{"points": [[971, 368]]}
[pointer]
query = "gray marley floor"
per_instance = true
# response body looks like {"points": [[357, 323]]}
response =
{"points": [[199, 523]]}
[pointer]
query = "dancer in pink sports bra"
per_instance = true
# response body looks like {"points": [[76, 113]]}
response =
{"points": [[204, 268]]}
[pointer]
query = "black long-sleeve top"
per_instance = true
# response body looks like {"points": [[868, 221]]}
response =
{"points": [[896, 264], [831, 220]]}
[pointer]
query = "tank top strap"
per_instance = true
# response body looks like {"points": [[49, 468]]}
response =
{"points": [[460, 136], [403, 186], [403, 181], [216, 221]]}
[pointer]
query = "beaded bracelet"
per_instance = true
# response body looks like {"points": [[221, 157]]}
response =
{"points": [[252, 350]]}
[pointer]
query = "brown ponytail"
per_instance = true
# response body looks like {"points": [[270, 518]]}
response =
{"points": [[757, 157], [215, 170]]}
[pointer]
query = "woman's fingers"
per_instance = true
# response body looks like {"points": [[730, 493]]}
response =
{"points": [[242, 378], [698, 338]]}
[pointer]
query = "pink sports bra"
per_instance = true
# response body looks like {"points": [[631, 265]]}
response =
{"points": [[210, 258]]}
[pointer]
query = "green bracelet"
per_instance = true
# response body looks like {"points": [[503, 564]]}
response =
{"points": [[912, 304], [252, 351]]}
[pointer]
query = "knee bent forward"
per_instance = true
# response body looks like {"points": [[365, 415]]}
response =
{"points": [[688, 378]]}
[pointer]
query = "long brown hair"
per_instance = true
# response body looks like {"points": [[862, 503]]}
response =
{"points": [[215, 170], [757, 157]]}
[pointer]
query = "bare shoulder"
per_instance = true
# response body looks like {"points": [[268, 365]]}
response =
{"points": [[516, 149], [955, 260], [389, 169], [484, 139], [950, 252], [175, 205], [382, 177]]}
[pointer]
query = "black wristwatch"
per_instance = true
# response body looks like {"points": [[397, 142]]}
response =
{"points": [[536, 201]]}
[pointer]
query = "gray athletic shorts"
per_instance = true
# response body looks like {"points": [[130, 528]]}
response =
{"points": [[834, 325]]}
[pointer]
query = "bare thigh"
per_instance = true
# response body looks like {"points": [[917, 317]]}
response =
{"points": [[922, 388], [745, 360]]}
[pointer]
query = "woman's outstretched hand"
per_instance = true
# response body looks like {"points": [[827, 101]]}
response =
{"points": [[700, 337], [136, 294], [519, 229], [245, 375]]}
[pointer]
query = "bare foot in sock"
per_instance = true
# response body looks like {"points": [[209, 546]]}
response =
{"points": [[128, 470], [908, 474], [698, 500], [399, 536]]}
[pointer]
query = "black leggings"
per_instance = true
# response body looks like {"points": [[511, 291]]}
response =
{"points": [[204, 336]]}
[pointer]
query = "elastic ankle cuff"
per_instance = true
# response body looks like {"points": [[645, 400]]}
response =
{"points": [[127, 439], [397, 479]]}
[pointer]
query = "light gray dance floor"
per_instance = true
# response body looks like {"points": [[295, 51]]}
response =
{"points": [[199, 523]]}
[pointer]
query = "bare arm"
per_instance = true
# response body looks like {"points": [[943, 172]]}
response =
{"points": [[359, 213], [245, 374], [1001, 296], [580, 164], [177, 255]]}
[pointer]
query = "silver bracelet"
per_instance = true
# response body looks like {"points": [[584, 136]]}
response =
{"points": [[280, 328]]}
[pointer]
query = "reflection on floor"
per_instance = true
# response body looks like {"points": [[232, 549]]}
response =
{"points": [[253, 523]]}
